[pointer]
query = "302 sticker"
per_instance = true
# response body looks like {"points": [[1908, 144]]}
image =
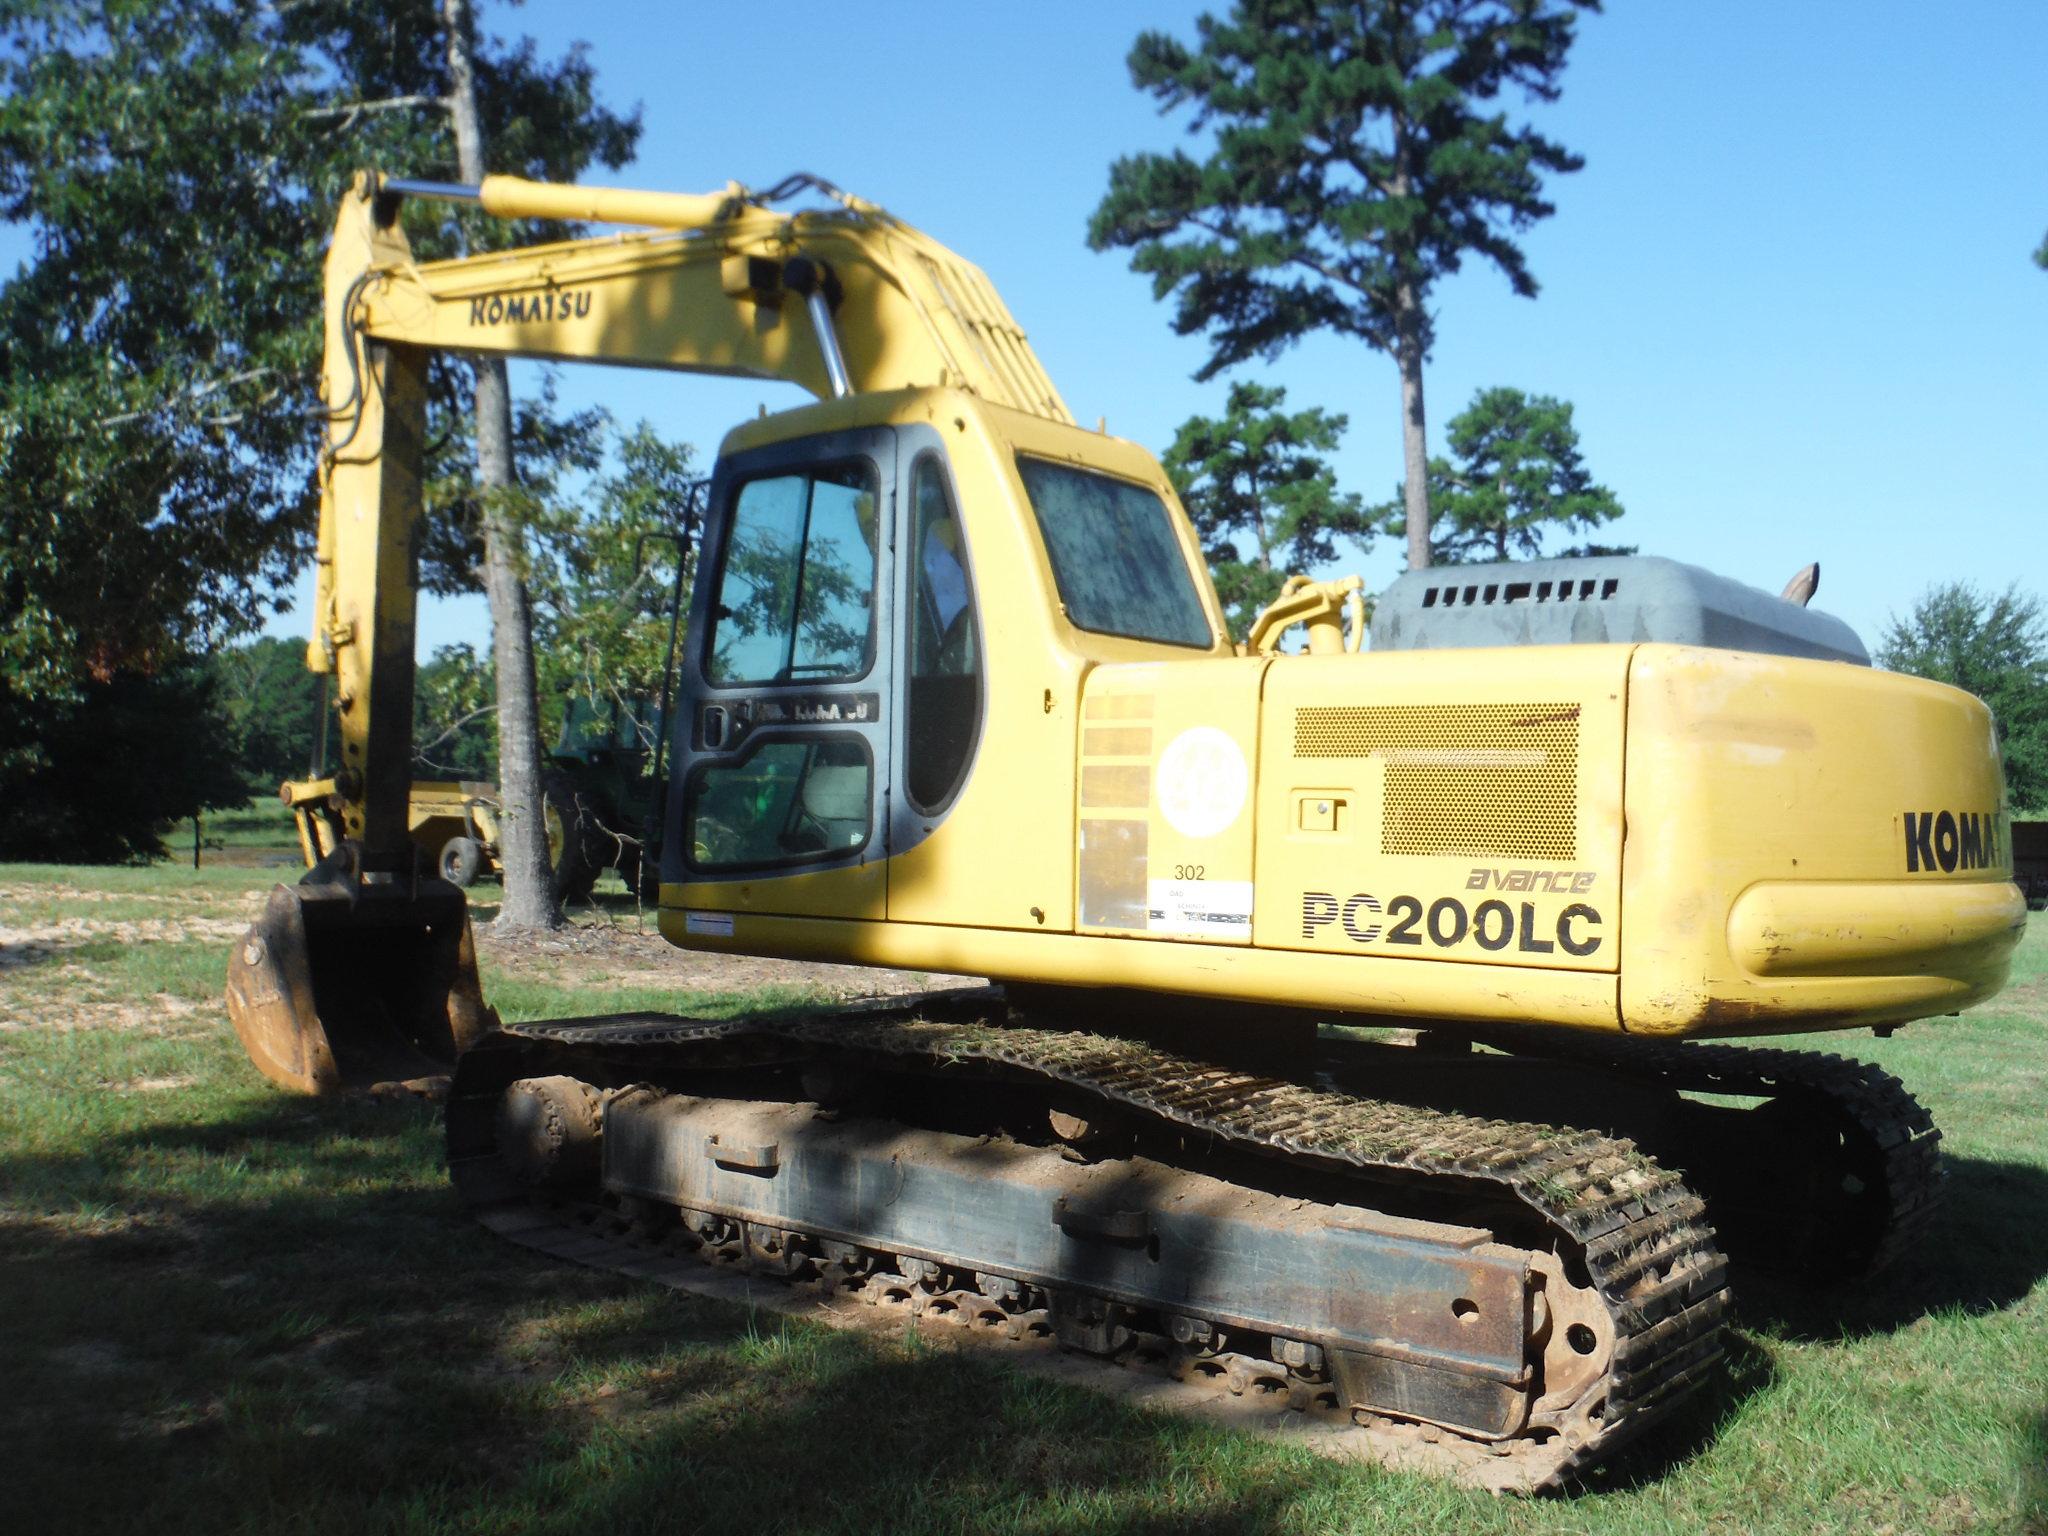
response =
{"points": [[1447, 923]]}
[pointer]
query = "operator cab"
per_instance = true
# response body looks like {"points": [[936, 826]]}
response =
{"points": [[834, 659], [835, 683]]}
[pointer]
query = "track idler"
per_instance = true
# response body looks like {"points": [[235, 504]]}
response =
{"points": [[349, 979]]}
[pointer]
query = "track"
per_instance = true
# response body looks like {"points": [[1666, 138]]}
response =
{"points": [[1833, 1175], [1595, 1230]]}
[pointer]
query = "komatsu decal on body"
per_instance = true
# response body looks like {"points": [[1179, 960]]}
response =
{"points": [[1447, 923], [553, 304], [1953, 840]]}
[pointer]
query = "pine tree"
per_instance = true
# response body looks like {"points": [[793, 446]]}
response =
{"points": [[1515, 475], [1360, 153], [1259, 473]]}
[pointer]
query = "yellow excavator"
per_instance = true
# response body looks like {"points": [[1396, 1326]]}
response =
{"points": [[1352, 1011]]}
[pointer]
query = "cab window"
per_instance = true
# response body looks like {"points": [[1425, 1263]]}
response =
{"points": [[1114, 555], [786, 802], [796, 595], [943, 708]]}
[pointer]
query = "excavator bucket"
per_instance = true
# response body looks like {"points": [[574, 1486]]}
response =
{"points": [[343, 982]]}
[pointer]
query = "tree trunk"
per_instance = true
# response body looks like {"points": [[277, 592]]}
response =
{"points": [[1414, 443], [1259, 524], [522, 829]]}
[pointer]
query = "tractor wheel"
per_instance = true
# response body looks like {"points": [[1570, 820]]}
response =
{"points": [[462, 860], [576, 852]]}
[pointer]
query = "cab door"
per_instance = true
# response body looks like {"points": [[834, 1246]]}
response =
{"points": [[779, 802]]}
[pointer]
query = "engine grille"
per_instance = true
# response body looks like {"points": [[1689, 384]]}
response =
{"points": [[1497, 780]]}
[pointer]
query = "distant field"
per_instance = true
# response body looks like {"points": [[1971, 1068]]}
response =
{"points": [[224, 1309]]}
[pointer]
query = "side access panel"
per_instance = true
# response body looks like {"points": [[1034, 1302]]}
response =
{"points": [[1459, 807], [1167, 761]]}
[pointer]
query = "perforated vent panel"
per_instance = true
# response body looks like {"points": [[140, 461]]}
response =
{"points": [[1487, 779]]}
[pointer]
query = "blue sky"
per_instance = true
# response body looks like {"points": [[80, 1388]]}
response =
{"points": [[1789, 296]]}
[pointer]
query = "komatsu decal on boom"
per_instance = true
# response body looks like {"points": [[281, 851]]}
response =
{"points": [[957, 696]]}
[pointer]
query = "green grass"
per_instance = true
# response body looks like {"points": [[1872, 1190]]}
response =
{"points": [[225, 1309], [264, 822]]}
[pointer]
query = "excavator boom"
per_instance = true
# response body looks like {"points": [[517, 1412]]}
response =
{"points": [[719, 284], [722, 285]]}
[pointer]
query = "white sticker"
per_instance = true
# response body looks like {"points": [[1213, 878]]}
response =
{"points": [[1202, 781], [1211, 909], [717, 925]]}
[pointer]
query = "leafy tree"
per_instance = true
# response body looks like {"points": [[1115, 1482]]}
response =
{"points": [[1515, 474], [1995, 646], [158, 426], [454, 707], [1259, 473], [273, 708], [600, 536], [1359, 154], [607, 578], [114, 763], [153, 461]]}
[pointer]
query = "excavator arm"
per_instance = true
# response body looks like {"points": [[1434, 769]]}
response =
{"points": [[721, 285], [838, 301]]}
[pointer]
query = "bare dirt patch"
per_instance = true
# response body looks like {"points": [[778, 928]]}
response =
{"points": [[59, 893], [33, 943], [162, 1014], [624, 958]]}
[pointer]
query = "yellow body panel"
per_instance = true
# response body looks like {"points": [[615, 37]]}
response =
{"points": [[437, 810], [1473, 806], [1870, 928], [974, 869], [1772, 880], [1596, 836], [860, 890], [1342, 985]]}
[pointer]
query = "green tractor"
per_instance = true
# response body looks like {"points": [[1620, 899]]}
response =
{"points": [[603, 786], [602, 781]]}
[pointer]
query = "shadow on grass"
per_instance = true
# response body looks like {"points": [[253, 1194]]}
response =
{"points": [[282, 1318], [1985, 1250], [20, 955]]}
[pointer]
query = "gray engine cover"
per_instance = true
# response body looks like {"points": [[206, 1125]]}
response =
{"points": [[1600, 600]]}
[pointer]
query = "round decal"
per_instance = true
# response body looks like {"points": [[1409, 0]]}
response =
{"points": [[1202, 781]]}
